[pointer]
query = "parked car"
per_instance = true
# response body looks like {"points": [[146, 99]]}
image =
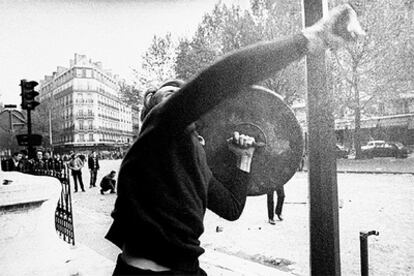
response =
{"points": [[381, 148], [341, 151]]}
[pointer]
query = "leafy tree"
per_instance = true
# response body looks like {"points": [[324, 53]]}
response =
{"points": [[130, 94], [205, 46], [157, 64], [364, 74], [226, 29]]}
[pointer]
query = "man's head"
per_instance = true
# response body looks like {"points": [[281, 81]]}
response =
{"points": [[155, 96], [112, 174], [39, 155], [24, 153], [17, 156], [46, 155]]}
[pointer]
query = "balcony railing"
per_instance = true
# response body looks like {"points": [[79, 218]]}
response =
{"points": [[85, 116]]}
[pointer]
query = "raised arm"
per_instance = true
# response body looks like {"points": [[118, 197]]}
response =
{"points": [[227, 77], [253, 64]]}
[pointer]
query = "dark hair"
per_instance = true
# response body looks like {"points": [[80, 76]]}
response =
{"points": [[16, 153], [149, 101], [112, 172]]}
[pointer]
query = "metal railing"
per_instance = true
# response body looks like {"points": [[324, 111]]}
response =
{"points": [[64, 212]]}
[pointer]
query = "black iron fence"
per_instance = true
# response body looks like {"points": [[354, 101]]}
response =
{"points": [[64, 212]]}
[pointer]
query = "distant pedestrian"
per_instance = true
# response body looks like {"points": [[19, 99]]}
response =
{"points": [[26, 165], [280, 191], [48, 162], [58, 164], [38, 165], [108, 183], [14, 163], [75, 165], [302, 163], [93, 165]]}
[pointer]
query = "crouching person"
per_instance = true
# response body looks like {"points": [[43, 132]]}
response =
{"points": [[108, 183]]}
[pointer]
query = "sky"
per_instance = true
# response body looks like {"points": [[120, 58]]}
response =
{"points": [[36, 36]]}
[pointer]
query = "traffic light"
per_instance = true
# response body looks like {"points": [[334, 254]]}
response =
{"points": [[28, 94]]}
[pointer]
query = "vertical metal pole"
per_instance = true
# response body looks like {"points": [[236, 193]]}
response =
{"points": [[50, 130], [363, 246], [30, 148], [323, 197], [10, 120]]}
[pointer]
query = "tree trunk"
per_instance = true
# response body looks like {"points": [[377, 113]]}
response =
{"points": [[357, 133]]}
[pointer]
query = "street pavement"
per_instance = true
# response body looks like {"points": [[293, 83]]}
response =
{"points": [[382, 202]]}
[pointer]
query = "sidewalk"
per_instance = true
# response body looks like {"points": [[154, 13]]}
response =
{"points": [[364, 206], [375, 166], [96, 255]]}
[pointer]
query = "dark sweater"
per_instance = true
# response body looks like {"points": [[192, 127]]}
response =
{"points": [[165, 184]]}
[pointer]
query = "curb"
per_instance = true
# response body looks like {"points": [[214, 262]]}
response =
{"points": [[369, 172], [374, 172], [222, 264]]}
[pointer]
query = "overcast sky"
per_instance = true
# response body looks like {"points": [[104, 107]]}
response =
{"points": [[36, 36]]}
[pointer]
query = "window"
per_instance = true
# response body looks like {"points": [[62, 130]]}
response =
{"points": [[90, 124], [81, 138], [91, 137], [81, 124]]}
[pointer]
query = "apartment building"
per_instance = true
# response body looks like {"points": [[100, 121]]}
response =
{"points": [[84, 100]]}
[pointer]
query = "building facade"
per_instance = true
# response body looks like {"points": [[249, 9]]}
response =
{"points": [[84, 101]]}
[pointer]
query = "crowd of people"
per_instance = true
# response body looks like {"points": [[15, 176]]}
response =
{"points": [[46, 163]]}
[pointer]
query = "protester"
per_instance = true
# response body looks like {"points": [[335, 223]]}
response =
{"points": [[280, 191], [38, 164], [75, 165], [165, 185], [93, 165], [26, 165], [48, 162], [108, 183], [58, 164], [14, 163]]}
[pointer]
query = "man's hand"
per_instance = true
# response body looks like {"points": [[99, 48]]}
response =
{"points": [[243, 146], [338, 27]]}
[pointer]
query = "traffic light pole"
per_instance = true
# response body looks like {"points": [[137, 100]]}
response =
{"points": [[29, 103], [30, 148]]}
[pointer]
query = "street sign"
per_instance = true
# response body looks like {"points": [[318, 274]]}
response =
{"points": [[23, 139]]}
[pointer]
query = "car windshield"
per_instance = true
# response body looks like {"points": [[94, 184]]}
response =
{"points": [[399, 145], [376, 143]]}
